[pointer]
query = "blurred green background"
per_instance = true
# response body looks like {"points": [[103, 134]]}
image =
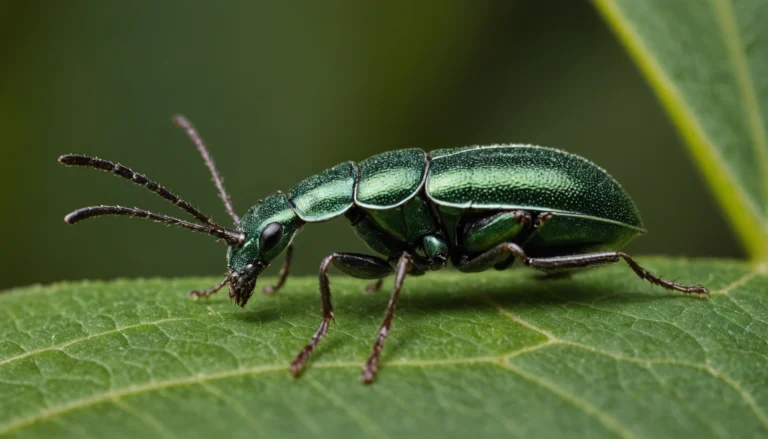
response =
{"points": [[282, 90]]}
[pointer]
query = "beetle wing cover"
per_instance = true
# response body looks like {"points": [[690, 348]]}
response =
{"points": [[325, 195], [528, 177], [390, 179]]}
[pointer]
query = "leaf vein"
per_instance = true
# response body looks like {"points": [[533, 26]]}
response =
{"points": [[145, 417], [63, 346], [609, 422], [748, 399], [738, 283], [365, 422], [235, 405]]}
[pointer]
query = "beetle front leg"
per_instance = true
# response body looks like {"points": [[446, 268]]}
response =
{"points": [[284, 272], [208, 292], [355, 265]]}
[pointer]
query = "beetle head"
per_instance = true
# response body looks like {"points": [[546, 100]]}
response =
{"points": [[269, 228]]}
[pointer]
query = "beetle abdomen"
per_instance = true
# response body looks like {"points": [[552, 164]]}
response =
{"points": [[390, 179], [530, 178]]}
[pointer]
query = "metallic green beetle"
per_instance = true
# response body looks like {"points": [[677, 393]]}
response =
{"points": [[478, 208]]}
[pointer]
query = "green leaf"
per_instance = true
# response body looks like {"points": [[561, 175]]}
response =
{"points": [[708, 63], [493, 354]]}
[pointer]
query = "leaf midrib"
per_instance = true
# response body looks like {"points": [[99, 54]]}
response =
{"points": [[61, 347]]}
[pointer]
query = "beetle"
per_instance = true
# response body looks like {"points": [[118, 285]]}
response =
{"points": [[475, 208]]}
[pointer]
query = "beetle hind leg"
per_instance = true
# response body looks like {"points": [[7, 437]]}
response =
{"points": [[561, 263], [592, 259], [655, 280]]}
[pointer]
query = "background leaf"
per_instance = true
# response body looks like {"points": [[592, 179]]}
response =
{"points": [[600, 355], [708, 62]]}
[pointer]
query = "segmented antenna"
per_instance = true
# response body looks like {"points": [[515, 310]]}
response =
{"points": [[186, 125], [139, 179], [232, 237]]}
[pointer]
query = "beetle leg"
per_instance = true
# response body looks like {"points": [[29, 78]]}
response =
{"points": [[355, 265], [525, 236], [497, 255], [208, 292], [487, 259], [284, 272], [592, 259], [370, 367], [485, 232], [538, 222]]}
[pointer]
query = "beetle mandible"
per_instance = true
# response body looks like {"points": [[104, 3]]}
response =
{"points": [[477, 208]]}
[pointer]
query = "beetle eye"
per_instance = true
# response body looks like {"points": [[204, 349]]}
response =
{"points": [[270, 237]]}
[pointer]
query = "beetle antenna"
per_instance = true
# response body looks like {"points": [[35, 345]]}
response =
{"points": [[232, 237], [139, 179], [187, 126]]}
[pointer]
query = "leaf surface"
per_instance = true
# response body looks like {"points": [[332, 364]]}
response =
{"points": [[708, 63], [497, 354]]}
